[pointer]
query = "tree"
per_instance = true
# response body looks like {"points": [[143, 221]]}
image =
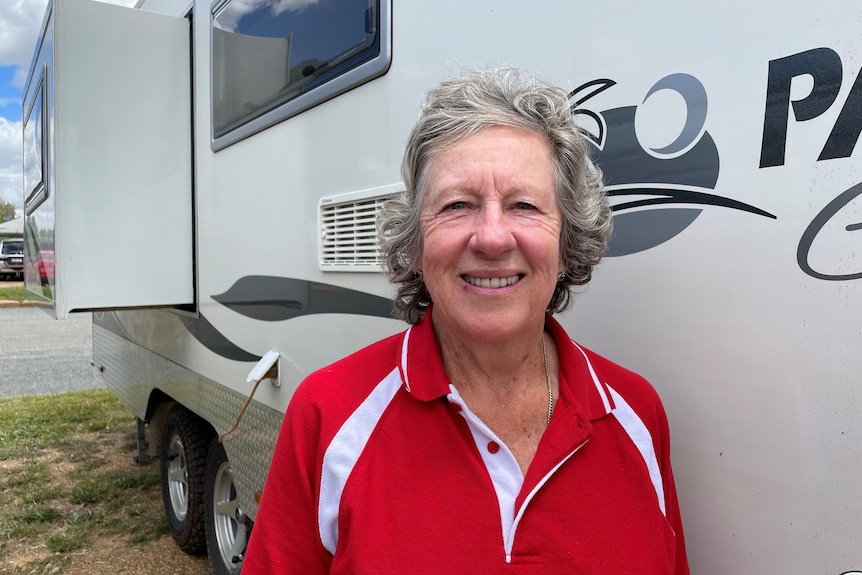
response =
{"points": [[7, 211]]}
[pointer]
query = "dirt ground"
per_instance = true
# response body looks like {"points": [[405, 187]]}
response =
{"points": [[112, 556], [104, 554]]}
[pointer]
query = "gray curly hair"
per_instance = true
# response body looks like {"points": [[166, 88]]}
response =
{"points": [[462, 106]]}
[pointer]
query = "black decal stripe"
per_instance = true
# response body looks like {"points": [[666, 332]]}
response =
{"points": [[212, 339], [271, 298], [201, 329], [600, 85], [672, 196], [268, 298]]}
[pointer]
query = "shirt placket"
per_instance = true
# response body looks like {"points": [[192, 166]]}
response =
{"points": [[504, 471]]}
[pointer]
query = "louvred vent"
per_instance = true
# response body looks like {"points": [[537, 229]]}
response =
{"points": [[349, 235]]}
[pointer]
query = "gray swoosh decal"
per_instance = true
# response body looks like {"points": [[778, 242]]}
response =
{"points": [[638, 231], [108, 320]]}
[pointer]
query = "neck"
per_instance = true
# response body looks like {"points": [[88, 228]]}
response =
{"points": [[493, 366], [507, 385]]}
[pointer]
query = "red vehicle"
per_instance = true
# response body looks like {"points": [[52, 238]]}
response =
{"points": [[44, 265]]}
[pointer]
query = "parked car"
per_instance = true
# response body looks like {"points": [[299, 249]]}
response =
{"points": [[45, 261], [12, 258]]}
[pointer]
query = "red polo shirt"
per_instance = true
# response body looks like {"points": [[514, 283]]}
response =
{"points": [[381, 468]]}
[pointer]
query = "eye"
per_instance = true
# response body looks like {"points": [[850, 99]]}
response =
{"points": [[524, 206], [456, 206]]}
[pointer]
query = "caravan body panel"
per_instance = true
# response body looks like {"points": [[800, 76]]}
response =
{"points": [[728, 135]]}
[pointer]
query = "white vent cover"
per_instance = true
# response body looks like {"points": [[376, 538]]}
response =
{"points": [[348, 230]]}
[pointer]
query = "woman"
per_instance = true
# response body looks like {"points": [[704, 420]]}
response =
{"points": [[482, 439]]}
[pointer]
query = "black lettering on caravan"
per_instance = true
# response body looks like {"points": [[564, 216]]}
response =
{"points": [[824, 66], [847, 127]]}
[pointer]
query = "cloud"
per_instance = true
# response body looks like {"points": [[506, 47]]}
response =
{"points": [[19, 26], [20, 21], [291, 6], [10, 162], [239, 8]]}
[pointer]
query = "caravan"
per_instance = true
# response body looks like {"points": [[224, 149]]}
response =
{"points": [[206, 176]]}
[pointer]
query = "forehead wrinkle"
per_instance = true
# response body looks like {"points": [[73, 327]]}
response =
{"points": [[473, 181], [483, 168]]}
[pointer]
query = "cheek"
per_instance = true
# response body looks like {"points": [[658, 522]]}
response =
{"points": [[438, 243], [545, 251], [426, 244], [432, 255]]}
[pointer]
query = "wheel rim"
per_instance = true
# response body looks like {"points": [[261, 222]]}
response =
{"points": [[228, 518], [178, 478]]}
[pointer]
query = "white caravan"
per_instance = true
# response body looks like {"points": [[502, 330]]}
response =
{"points": [[205, 176]]}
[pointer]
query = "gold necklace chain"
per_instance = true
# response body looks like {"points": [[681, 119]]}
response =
{"points": [[548, 380]]}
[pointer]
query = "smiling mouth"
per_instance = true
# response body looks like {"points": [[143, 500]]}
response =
{"points": [[492, 283]]}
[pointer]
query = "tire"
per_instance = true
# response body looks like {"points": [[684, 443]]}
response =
{"points": [[227, 527], [185, 444]]}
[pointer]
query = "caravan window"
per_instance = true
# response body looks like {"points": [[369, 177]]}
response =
{"points": [[34, 143], [272, 59]]}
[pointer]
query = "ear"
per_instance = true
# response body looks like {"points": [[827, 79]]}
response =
{"points": [[416, 261]]}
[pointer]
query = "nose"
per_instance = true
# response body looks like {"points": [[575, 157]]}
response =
{"points": [[493, 235]]}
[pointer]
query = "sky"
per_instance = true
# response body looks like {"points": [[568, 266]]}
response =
{"points": [[20, 22]]}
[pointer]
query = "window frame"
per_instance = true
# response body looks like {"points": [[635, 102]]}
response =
{"points": [[39, 192], [327, 89]]}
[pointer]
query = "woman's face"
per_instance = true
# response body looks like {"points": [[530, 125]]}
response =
{"points": [[491, 234]]}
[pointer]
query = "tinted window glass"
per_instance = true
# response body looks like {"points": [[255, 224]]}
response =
{"points": [[13, 248], [268, 52]]}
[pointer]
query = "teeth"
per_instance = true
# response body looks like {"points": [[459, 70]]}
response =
{"points": [[491, 282]]}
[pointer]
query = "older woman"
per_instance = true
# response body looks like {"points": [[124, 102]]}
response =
{"points": [[482, 439]]}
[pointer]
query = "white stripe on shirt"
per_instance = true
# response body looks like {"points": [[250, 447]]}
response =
{"points": [[345, 449], [640, 435]]}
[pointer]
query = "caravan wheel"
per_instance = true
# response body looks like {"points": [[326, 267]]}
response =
{"points": [[226, 524], [183, 465]]}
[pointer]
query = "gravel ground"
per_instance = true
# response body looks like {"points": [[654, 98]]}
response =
{"points": [[40, 355]]}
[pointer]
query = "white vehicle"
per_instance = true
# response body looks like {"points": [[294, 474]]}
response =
{"points": [[207, 173], [11, 258]]}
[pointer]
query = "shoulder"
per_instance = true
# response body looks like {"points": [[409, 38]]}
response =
{"points": [[633, 388], [382, 355], [619, 377], [596, 379], [348, 381]]}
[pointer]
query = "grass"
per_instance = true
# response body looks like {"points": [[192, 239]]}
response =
{"points": [[15, 292], [70, 421], [61, 484]]}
